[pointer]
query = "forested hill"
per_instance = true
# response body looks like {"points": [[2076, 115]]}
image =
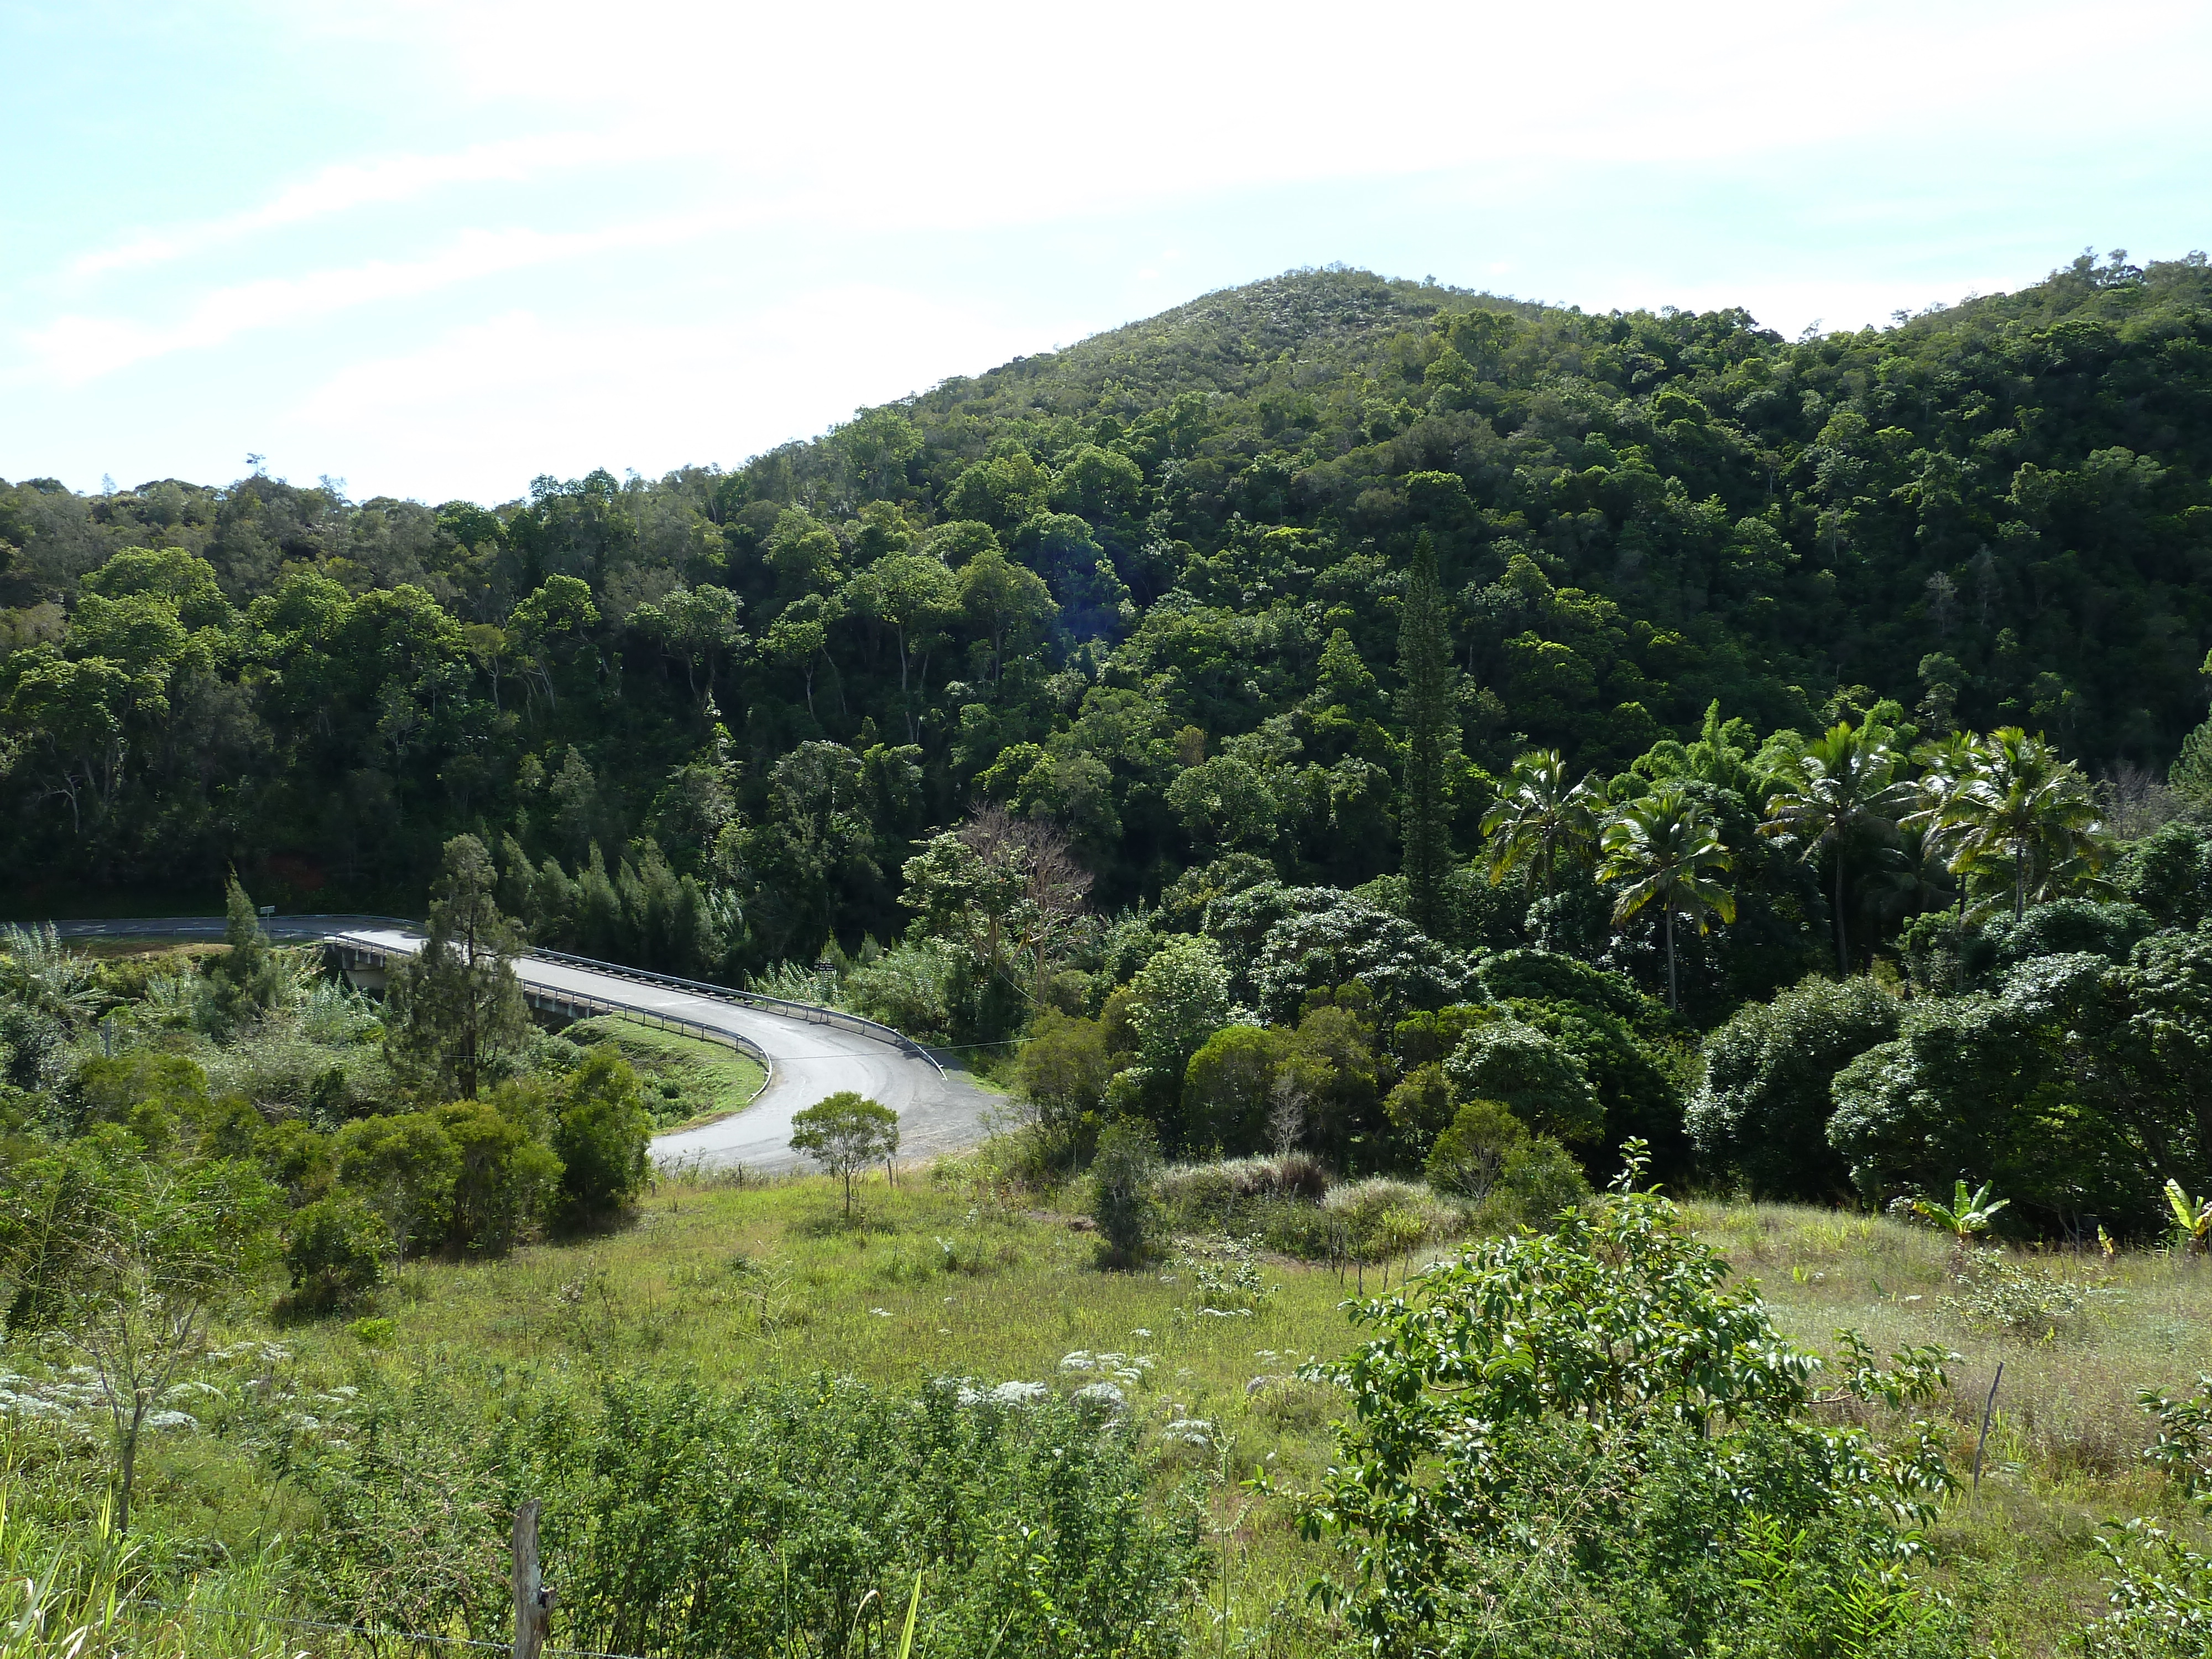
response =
{"points": [[1148, 588]]}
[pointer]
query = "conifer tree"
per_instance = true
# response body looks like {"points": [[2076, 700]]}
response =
{"points": [[1425, 697], [247, 981], [457, 1009]]}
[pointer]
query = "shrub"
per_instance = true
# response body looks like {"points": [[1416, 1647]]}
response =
{"points": [[404, 1167], [1763, 1111], [1488, 1156], [1998, 1293], [1545, 1085], [2162, 1593], [1540, 1179], [1229, 1086], [1378, 1219], [1470, 1155], [904, 988], [334, 1249], [694, 1524], [1124, 1176], [1214, 1192], [600, 1136], [1062, 1070], [1420, 1107], [1588, 1443], [505, 1182]]}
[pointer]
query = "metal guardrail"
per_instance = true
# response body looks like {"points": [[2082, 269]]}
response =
{"points": [[578, 1003], [812, 1013]]}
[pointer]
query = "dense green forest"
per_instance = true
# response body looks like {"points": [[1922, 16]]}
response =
{"points": [[1066, 583], [1332, 648]]}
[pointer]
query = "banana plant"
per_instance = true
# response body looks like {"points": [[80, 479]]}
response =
{"points": [[2192, 1220], [1966, 1215]]}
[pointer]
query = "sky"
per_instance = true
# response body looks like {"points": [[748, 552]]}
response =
{"points": [[436, 250]]}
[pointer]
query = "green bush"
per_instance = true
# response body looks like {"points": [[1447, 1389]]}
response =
{"points": [[1378, 1220], [1586, 1443], [334, 1249], [904, 989], [1062, 1070], [1540, 1179], [1763, 1111], [1470, 1155], [1545, 1085], [1228, 1087], [1123, 1200], [505, 1182], [600, 1136], [404, 1167], [779, 1519]]}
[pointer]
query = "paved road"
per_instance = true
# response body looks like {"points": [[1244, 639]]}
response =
{"points": [[938, 1113]]}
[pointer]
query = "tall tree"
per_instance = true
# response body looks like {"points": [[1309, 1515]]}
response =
{"points": [[1424, 700], [457, 1009], [1842, 790], [2025, 814], [1539, 819], [1662, 850], [248, 978]]}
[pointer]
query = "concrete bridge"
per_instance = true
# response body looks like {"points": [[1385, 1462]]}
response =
{"points": [[809, 1051]]}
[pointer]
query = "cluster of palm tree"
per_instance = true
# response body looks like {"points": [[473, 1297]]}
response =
{"points": [[1660, 851], [2001, 814]]}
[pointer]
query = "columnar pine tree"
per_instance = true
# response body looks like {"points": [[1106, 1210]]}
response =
{"points": [[457, 1009], [1424, 670]]}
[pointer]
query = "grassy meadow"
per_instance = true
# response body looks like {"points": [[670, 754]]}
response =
{"points": [[946, 1272], [952, 1273]]}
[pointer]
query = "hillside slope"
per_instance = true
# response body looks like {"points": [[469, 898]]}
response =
{"points": [[1998, 513]]}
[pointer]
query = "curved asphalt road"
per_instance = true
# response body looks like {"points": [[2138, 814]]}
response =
{"points": [[937, 1113]]}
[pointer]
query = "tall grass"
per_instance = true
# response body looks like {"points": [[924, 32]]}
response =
{"points": [[723, 1285], [81, 1594]]}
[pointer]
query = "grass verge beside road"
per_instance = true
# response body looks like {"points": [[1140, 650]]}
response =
{"points": [[688, 1080]]}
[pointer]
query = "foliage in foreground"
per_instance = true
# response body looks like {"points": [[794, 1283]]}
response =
{"points": [[1587, 1443], [781, 1518]]}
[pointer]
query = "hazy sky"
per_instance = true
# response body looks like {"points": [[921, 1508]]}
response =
{"points": [[437, 249]]}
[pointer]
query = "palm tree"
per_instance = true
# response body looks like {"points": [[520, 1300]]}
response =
{"points": [[1660, 849], [1842, 788], [2023, 811], [1945, 766], [1540, 819]]}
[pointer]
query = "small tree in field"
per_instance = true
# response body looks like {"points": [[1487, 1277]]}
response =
{"points": [[1123, 1175], [127, 1262], [844, 1134]]}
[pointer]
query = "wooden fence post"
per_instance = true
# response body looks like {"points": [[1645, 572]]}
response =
{"points": [[533, 1596]]}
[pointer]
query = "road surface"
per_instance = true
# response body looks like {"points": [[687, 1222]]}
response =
{"points": [[939, 1111]]}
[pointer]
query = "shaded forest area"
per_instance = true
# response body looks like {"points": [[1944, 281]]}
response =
{"points": [[1148, 588]]}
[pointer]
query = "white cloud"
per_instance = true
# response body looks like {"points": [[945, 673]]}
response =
{"points": [[385, 179], [75, 349], [486, 407], [988, 113]]}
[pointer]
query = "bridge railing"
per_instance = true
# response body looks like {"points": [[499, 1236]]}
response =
{"points": [[812, 1013], [576, 1005]]}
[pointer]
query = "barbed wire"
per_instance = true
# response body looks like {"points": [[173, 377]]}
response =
{"points": [[367, 1633]]}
